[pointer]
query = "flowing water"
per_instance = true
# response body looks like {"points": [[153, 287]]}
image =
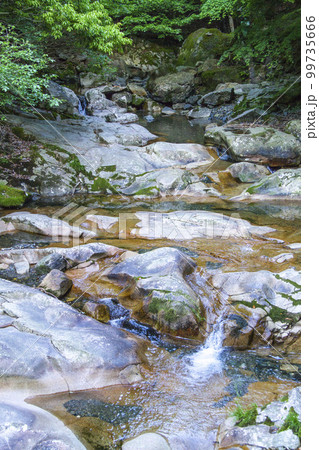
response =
{"points": [[188, 387]]}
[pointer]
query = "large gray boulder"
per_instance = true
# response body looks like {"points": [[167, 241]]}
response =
{"points": [[42, 224], [157, 278], [69, 101], [187, 225], [270, 429], [167, 181], [73, 255], [56, 283], [283, 184], [244, 172], [96, 100], [131, 134], [147, 441], [202, 44], [173, 88], [261, 145], [69, 350], [264, 301], [31, 428]]}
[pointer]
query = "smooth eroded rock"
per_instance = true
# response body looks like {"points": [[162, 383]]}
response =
{"points": [[261, 145]]}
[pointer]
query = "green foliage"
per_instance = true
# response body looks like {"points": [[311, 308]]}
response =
{"points": [[155, 18], [246, 417], [85, 21], [21, 64], [217, 9], [292, 423]]}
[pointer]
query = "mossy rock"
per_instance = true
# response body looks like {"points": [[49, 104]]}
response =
{"points": [[220, 74], [202, 44], [11, 197]]}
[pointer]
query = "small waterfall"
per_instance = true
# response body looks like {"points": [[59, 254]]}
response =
{"points": [[206, 362], [82, 105]]}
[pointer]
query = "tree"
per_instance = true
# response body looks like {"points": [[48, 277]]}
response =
{"points": [[155, 18], [86, 22], [267, 32], [20, 71]]}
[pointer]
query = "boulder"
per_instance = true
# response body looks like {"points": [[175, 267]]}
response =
{"points": [[282, 184], [122, 99], [69, 350], [260, 437], [96, 100], [202, 44], [172, 88], [167, 154], [261, 145], [263, 301], [294, 127], [211, 75], [147, 441], [270, 429], [29, 427], [131, 134], [45, 225], [167, 111], [187, 225], [168, 182], [69, 101], [137, 90], [277, 411], [143, 58], [56, 283], [90, 80], [73, 255], [98, 311], [199, 113], [245, 172], [72, 154], [157, 278], [50, 262]]}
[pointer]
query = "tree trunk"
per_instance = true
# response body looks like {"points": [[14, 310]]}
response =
{"points": [[231, 23]]}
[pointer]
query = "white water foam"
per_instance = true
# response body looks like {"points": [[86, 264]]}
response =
{"points": [[207, 361]]}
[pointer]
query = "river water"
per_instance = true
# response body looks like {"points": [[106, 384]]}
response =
{"points": [[188, 388]]}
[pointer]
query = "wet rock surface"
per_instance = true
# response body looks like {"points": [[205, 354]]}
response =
{"points": [[283, 184], [259, 145], [264, 308], [272, 428], [59, 355], [27, 426], [158, 278]]}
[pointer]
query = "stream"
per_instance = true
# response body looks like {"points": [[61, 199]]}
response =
{"points": [[189, 387]]}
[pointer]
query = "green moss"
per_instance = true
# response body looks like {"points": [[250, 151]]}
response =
{"points": [[22, 134], [245, 417], [74, 162], [292, 423], [147, 191], [111, 168], [220, 74], [202, 44], [11, 197], [285, 398], [103, 185], [281, 315], [269, 422]]}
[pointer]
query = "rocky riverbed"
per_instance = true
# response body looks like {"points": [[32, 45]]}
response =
{"points": [[150, 267]]}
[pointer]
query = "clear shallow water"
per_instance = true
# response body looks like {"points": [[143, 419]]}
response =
{"points": [[175, 129], [187, 390]]}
